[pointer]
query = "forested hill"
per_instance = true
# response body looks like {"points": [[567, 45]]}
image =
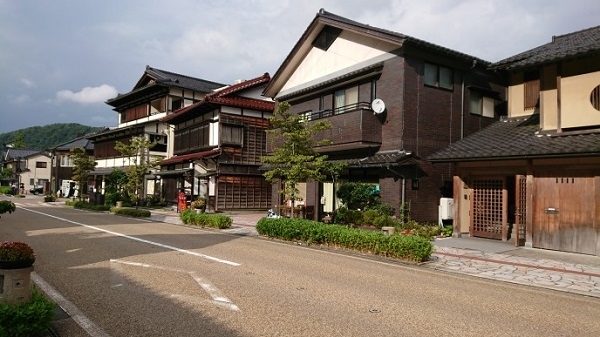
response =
{"points": [[48, 136]]}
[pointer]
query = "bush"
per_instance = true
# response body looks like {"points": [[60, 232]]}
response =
{"points": [[49, 198], [91, 207], [412, 248], [220, 221], [133, 212], [28, 319], [5, 190], [7, 206]]}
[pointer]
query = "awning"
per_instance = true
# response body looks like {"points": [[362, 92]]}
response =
{"points": [[190, 157], [179, 172]]}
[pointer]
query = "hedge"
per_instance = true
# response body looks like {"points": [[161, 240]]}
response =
{"points": [[220, 221], [410, 247], [33, 318], [133, 212]]}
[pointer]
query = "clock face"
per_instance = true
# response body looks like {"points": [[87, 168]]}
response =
{"points": [[378, 105]]}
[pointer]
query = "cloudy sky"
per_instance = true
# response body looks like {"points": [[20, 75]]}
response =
{"points": [[60, 60]]}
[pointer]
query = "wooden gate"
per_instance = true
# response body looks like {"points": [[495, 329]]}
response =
{"points": [[564, 215], [520, 209], [488, 208]]}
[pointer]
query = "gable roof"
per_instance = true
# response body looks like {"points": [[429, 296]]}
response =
{"points": [[226, 96], [324, 18], [517, 138], [577, 44], [156, 81], [81, 142], [14, 153]]}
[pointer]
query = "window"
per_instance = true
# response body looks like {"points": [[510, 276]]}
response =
{"points": [[176, 103], [595, 98], [66, 161], [438, 76], [326, 37], [481, 105], [31, 181], [232, 134], [531, 90], [41, 164], [345, 99]]}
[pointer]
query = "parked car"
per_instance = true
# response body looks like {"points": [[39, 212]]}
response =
{"points": [[36, 190]]}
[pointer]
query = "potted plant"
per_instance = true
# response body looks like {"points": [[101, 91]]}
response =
{"points": [[199, 205], [7, 206], [16, 255]]}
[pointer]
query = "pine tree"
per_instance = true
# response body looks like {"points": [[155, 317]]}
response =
{"points": [[295, 159], [138, 153], [83, 164]]}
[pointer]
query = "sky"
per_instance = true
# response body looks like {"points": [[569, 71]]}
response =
{"points": [[60, 60]]}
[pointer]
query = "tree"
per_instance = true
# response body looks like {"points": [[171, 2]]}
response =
{"points": [[295, 160], [83, 164], [6, 173], [137, 151], [18, 140]]}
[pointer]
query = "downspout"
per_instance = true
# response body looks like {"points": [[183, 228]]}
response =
{"points": [[462, 106]]}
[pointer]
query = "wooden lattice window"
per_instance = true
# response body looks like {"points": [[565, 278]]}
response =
{"points": [[521, 210], [595, 98], [532, 90], [487, 207]]}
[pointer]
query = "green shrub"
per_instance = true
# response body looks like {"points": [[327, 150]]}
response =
{"points": [[49, 198], [20, 196], [412, 248], [133, 212], [5, 190], [70, 203], [28, 319], [220, 221], [92, 207], [7, 206]]}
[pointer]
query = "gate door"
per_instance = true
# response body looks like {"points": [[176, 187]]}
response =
{"points": [[487, 208]]}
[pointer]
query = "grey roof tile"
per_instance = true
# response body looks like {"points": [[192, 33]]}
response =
{"points": [[576, 44], [518, 138]]}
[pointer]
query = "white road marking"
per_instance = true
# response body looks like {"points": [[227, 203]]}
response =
{"points": [[208, 257], [77, 316], [217, 296]]}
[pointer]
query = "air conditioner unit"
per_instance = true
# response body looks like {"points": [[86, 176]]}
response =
{"points": [[446, 208]]}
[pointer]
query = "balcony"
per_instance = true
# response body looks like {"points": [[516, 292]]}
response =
{"points": [[353, 127]]}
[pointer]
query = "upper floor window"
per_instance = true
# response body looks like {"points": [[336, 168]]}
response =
{"points": [[41, 164], [481, 105], [345, 99], [595, 98], [438, 76], [531, 90], [232, 134], [66, 161], [176, 103]]}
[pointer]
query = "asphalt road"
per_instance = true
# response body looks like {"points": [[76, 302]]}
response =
{"points": [[118, 276]]}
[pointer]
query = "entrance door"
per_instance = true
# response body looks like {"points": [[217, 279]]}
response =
{"points": [[564, 215], [488, 212]]}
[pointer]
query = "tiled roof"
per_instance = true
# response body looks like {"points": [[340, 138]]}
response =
{"points": [[518, 138], [13, 153], [182, 81], [383, 158], [81, 142], [164, 79], [190, 157], [227, 97], [576, 44]]}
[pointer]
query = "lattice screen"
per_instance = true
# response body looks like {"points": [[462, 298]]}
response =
{"points": [[521, 211], [487, 208]]}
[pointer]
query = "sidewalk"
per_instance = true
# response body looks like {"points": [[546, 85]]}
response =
{"points": [[485, 258]]}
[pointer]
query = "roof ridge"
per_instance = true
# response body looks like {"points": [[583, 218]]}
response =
{"points": [[180, 75], [240, 86], [555, 37]]}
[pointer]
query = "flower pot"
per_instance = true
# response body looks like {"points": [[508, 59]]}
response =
{"points": [[15, 264], [15, 285]]}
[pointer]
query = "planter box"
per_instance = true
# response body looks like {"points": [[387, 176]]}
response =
{"points": [[15, 285]]}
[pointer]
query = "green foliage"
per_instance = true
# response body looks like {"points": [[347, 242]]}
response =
{"points": [[220, 221], [49, 198], [83, 163], [5, 189], [358, 195], [28, 319], [7, 206], [5, 173], [133, 212], [90, 207], [18, 141], [137, 151], [447, 231], [48, 136], [412, 248], [294, 158], [346, 216]]}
